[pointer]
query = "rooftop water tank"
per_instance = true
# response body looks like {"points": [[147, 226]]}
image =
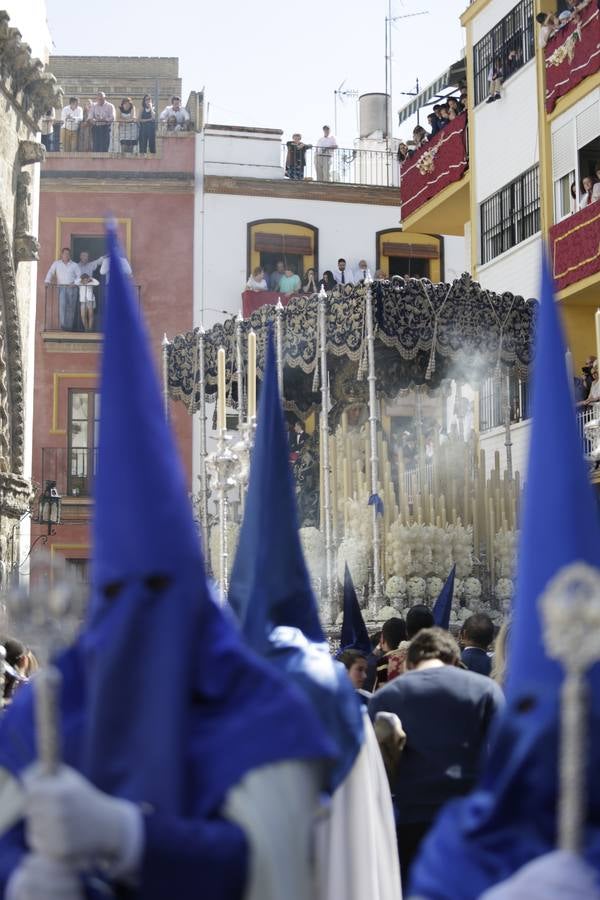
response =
{"points": [[372, 113]]}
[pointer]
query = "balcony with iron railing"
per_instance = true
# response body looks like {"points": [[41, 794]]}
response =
{"points": [[65, 316], [572, 54], [72, 468], [344, 165], [434, 195], [123, 140]]}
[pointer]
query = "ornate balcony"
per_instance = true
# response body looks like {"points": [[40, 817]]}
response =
{"points": [[63, 313], [440, 163], [575, 247], [572, 54]]}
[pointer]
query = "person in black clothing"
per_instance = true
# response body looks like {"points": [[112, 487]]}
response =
{"points": [[446, 713], [328, 281], [476, 636], [147, 136], [392, 634], [296, 158], [419, 616]]}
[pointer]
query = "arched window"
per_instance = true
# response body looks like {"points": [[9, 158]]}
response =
{"points": [[415, 255], [271, 240]]}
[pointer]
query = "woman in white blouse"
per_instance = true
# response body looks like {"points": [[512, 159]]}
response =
{"points": [[257, 281]]}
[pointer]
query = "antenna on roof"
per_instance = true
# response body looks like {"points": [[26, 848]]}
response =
{"points": [[341, 94]]}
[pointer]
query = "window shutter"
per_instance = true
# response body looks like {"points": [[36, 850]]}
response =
{"points": [[588, 125], [563, 150]]}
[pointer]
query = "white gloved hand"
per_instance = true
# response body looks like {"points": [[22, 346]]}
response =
{"points": [[554, 876], [39, 878], [69, 819]]}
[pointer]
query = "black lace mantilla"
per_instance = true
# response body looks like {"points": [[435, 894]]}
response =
{"points": [[424, 333]]}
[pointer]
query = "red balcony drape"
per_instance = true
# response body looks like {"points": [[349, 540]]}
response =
{"points": [[440, 162], [575, 246], [572, 54]]}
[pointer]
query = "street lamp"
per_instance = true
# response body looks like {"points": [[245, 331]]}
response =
{"points": [[50, 506]]}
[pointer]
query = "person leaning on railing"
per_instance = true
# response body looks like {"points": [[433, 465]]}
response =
{"points": [[324, 153], [295, 162], [103, 116], [175, 116], [72, 116], [147, 137], [594, 393], [128, 126], [84, 144]]}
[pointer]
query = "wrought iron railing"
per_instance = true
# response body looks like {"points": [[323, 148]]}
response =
{"points": [[120, 132], [491, 401], [63, 310], [344, 165], [72, 468]]}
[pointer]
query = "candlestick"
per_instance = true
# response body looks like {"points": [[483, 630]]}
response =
{"points": [[251, 375], [221, 389]]}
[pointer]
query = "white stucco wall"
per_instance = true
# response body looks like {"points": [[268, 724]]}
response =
{"points": [[517, 270], [506, 134], [345, 229]]}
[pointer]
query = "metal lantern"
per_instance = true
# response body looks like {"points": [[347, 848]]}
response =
{"points": [[50, 506]]}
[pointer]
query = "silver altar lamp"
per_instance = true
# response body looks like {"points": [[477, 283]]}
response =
{"points": [[45, 615], [222, 466]]}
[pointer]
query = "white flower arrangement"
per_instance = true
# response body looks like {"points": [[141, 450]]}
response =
{"points": [[434, 586], [461, 541], [472, 591], [360, 521], [356, 555], [385, 613], [313, 547], [416, 588], [425, 164], [395, 588], [505, 553]]}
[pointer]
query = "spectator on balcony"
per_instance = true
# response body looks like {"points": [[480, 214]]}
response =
{"points": [[402, 152], [586, 197], [549, 24], [434, 120], [103, 116], [276, 275], [84, 134], [85, 266], [362, 272], [419, 136], [462, 102], [72, 117], [451, 114], [257, 281], [177, 111], [594, 392], [454, 104], [128, 126], [295, 162], [309, 283], [65, 272], [289, 282], [105, 267], [147, 136], [87, 300], [495, 79], [47, 129], [596, 188], [327, 281], [324, 154], [444, 115], [380, 275], [342, 274]]}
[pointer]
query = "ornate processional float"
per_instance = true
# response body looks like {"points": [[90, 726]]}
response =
{"points": [[383, 380]]}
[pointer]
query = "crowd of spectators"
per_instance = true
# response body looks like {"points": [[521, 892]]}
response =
{"points": [[79, 292], [98, 126], [440, 116], [284, 278], [552, 23]]}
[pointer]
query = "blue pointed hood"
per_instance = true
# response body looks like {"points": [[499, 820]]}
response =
{"points": [[169, 687], [518, 792], [443, 605], [270, 591], [269, 583], [354, 634]]}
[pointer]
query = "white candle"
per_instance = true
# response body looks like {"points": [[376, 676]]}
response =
{"points": [[251, 388], [220, 389]]}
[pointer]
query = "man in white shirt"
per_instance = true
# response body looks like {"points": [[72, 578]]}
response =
{"points": [[324, 153], [103, 116], [176, 111], [105, 267], [342, 274], [87, 266], [65, 272], [72, 116], [362, 272]]}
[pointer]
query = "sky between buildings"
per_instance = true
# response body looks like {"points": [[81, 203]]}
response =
{"points": [[272, 63]]}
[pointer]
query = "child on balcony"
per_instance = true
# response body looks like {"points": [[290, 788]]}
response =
{"points": [[87, 300]]}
